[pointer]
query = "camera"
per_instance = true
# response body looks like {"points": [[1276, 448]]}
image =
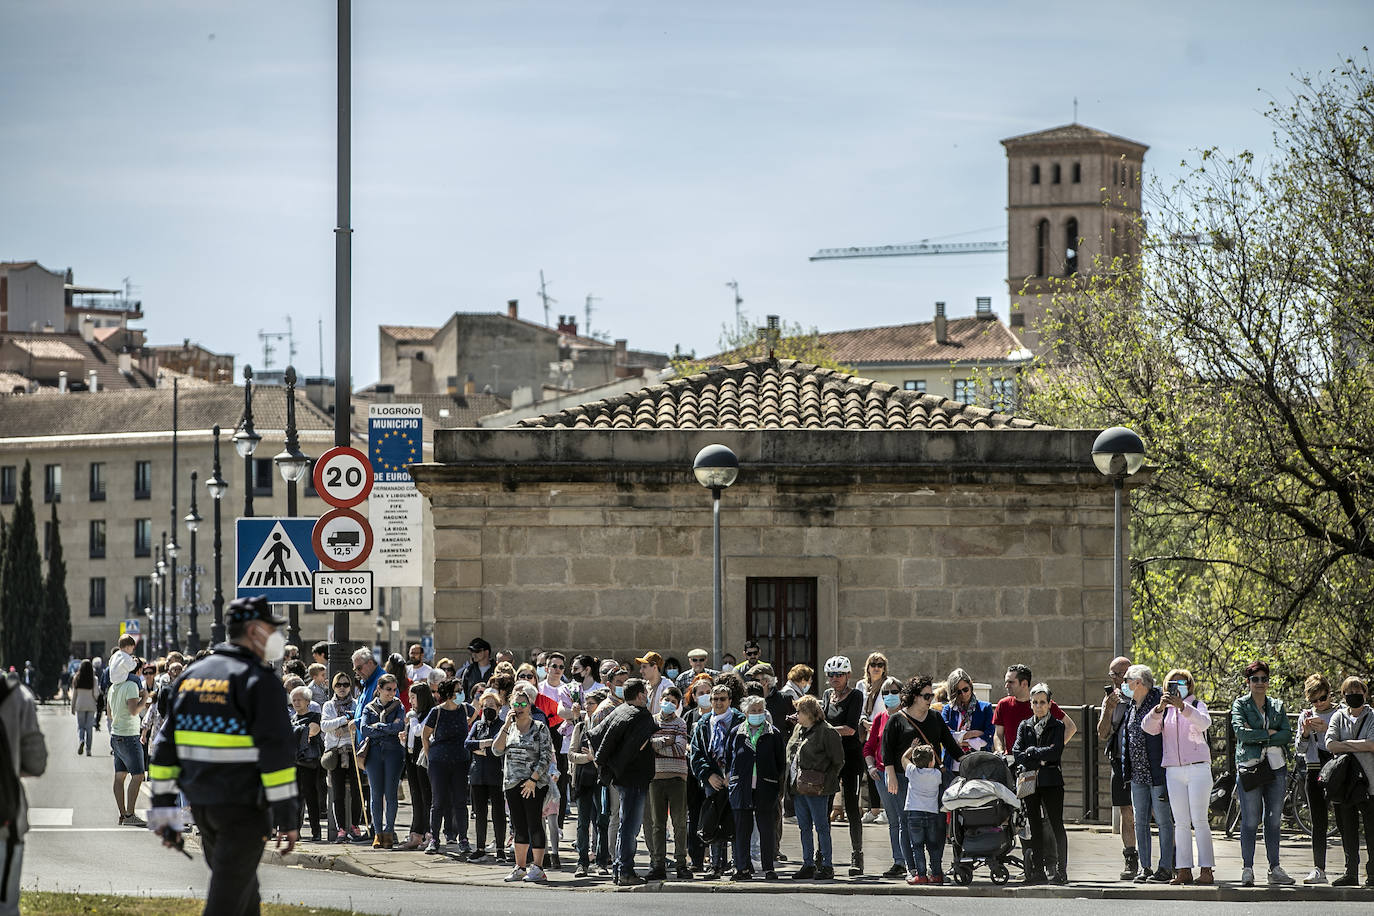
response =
{"points": [[1173, 688], [1108, 690]]}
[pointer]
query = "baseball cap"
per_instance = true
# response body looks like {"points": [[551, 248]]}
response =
{"points": [[479, 645], [246, 610], [651, 658]]}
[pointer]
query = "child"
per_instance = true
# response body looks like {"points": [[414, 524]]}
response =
{"points": [[319, 685], [925, 825]]}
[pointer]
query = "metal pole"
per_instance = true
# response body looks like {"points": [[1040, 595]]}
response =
{"points": [[1118, 629], [166, 574], [193, 611], [217, 627], [247, 424], [293, 613], [343, 274], [175, 578], [717, 613], [155, 624]]}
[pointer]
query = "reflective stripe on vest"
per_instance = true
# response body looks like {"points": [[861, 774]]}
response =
{"points": [[279, 777], [218, 754], [211, 739]]}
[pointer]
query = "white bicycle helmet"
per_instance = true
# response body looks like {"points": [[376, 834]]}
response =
{"points": [[837, 664]]}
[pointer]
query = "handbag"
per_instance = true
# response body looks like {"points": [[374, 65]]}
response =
{"points": [[810, 782], [331, 759], [1026, 783], [1255, 774]]}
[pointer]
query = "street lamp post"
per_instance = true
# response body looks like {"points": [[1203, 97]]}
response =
{"points": [[1118, 453], [172, 547], [246, 441], [163, 569], [154, 635], [716, 468], [292, 464], [217, 488], [193, 525], [170, 615]]}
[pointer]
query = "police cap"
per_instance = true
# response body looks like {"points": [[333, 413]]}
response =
{"points": [[243, 611]]}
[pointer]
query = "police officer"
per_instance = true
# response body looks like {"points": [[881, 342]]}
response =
{"points": [[227, 746]]}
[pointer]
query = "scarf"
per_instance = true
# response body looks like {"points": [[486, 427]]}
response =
{"points": [[1040, 725], [720, 729]]}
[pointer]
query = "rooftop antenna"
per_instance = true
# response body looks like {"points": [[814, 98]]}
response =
{"points": [[320, 322], [734, 285], [1075, 109], [544, 294], [290, 342], [587, 327]]}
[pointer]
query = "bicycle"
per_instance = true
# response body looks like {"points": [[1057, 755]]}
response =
{"points": [[1297, 808]]}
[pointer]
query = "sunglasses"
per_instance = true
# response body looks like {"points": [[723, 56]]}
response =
{"points": [[526, 676], [960, 691], [752, 653], [1321, 699], [522, 705], [1259, 679], [877, 665], [892, 693], [450, 671], [559, 667], [150, 671], [927, 697]]}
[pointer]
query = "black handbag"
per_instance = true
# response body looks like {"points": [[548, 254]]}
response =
{"points": [[717, 823], [1255, 774]]}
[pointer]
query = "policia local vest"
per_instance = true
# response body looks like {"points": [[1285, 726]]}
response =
{"points": [[227, 739]]}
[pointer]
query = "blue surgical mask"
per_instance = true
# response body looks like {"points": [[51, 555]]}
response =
{"points": [[704, 701], [892, 700], [541, 672], [758, 718], [1126, 692], [667, 708], [460, 698], [672, 674], [620, 693]]}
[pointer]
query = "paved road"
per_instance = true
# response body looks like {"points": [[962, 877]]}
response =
{"points": [[78, 847]]}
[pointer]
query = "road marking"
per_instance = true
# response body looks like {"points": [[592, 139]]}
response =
{"points": [[50, 817]]}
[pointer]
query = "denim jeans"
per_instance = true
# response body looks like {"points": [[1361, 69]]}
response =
{"points": [[896, 821], [631, 819], [813, 812], [1269, 801], [85, 723], [385, 761], [1145, 799], [925, 832], [588, 826]]}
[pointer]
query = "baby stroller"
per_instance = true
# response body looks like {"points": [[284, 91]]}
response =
{"points": [[987, 818]]}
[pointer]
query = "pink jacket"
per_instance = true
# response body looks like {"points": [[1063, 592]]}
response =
{"points": [[1185, 736]]}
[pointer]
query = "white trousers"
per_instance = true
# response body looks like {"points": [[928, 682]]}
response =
{"points": [[1190, 789]]}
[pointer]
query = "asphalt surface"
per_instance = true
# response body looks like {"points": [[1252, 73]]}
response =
{"points": [[76, 845]]}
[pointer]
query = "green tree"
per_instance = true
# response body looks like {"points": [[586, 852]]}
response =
{"points": [[745, 340], [21, 586], [55, 624], [1240, 344]]}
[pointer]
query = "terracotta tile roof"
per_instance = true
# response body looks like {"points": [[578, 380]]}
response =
{"points": [[406, 332], [48, 413], [765, 393], [9, 381], [967, 340], [463, 410], [46, 347], [1070, 132]]}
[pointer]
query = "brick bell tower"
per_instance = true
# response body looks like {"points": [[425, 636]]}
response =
{"points": [[1073, 200]]}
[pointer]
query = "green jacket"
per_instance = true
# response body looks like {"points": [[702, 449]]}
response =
{"points": [[1252, 734], [816, 748]]}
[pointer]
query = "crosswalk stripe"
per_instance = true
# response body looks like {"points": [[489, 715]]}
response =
{"points": [[50, 817]]}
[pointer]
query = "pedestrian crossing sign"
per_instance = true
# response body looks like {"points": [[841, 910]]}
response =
{"points": [[275, 558]]}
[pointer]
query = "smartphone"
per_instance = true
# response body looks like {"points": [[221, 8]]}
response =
{"points": [[1108, 690], [1173, 688]]}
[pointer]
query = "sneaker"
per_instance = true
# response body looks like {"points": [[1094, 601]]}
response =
{"points": [[628, 879], [789, 820], [825, 873], [805, 873], [770, 875], [432, 848], [603, 871], [580, 871], [684, 873], [1165, 875], [897, 870], [1315, 876], [516, 874], [133, 820], [870, 818], [1143, 875], [880, 818], [1247, 877], [937, 878], [1278, 876], [342, 837], [915, 880], [477, 855], [1347, 880], [780, 857], [464, 847], [657, 873], [535, 874]]}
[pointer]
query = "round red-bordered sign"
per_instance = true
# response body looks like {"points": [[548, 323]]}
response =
{"points": [[343, 477], [342, 539]]}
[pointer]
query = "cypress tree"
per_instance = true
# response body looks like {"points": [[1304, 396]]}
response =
{"points": [[55, 626], [21, 591]]}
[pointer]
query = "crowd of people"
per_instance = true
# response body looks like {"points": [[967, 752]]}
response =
{"points": [[709, 767]]}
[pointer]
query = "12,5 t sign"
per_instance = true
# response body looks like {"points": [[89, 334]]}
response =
{"points": [[343, 477]]}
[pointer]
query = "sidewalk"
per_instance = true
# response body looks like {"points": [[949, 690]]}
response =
{"points": [[1094, 863]]}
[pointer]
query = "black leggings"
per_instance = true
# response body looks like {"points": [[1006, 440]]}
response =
{"points": [[527, 817], [1349, 817], [849, 791], [309, 783], [488, 799], [1049, 841], [343, 783], [1316, 800], [421, 799]]}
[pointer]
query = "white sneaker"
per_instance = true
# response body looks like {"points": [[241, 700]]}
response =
{"points": [[535, 874], [1247, 877], [516, 874], [1315, 876], [789, 820], [1278, 876], [880, 818], [870, 818]]}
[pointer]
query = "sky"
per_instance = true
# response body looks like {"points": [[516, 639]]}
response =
{"points": [[642, 153]]}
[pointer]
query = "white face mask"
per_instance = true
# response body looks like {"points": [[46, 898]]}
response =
{"points": [[275, 648]]}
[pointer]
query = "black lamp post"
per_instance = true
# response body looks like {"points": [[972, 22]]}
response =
{"points": [[172, 549], [1118, 452], [193, 525], [154, 639], [246, 441], [716, 468], [292, 464], [165, 571], [217, 488]]}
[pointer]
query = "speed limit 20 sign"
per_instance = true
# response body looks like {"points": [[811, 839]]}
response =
{"points": [[343, 477]]}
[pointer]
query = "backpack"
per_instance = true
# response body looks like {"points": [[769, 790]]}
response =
{"points": [[1343, 777], [11, 793]]}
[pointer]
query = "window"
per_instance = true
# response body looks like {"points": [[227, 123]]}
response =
{"points": [[914, 384], [965, 390], [262, 476], [98, 596], [1035, 174], [143, 537], [52, 483], [97, 481], [143, 480], [1042, 245], [1077, 173], [1116, 171], [47, 539], [1055, 174], [8, 485], [1018, 319], [143, 594], [1004, 394], [97, 539], [1071, 247], [781, 617], [97, 648]]}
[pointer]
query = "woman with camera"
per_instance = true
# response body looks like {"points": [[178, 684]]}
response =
{"points": [[1182, 720]]}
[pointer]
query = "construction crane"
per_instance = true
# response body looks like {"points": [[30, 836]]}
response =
{"points": [[923, 247]]}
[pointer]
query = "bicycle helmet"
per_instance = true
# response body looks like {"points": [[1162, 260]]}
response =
{"points": [[837, 664]]}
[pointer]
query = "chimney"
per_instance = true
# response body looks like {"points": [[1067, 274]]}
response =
{"points": [[983, 308], [126, 361], [87, 328], [567, 324], [941, 335], [62, 381], [620, 359], [469, 387], [512, 308], [451, 386], [92, 382], [385, 393]]}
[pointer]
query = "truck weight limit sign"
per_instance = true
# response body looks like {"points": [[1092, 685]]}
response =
{"points": [[342, 539], [343, 477]]}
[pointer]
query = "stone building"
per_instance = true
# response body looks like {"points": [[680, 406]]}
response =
{"points": [[864, 517]]}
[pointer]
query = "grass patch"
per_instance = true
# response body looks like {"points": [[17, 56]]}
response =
{"points": [[48, 903]]}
